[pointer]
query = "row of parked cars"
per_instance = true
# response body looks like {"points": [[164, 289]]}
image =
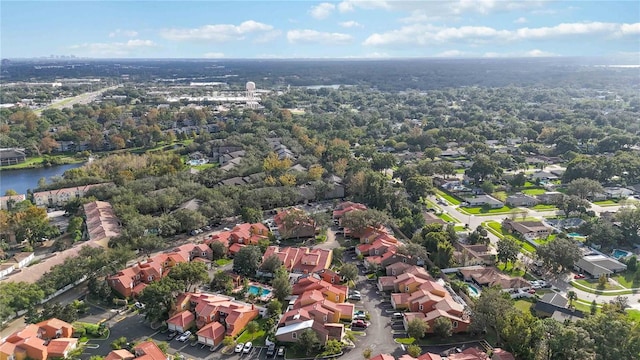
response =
{"points": [[182, 337], [271, 350]]}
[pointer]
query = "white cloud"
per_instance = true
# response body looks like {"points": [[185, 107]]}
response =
{"points": [[530, 53], [114, 48], [351, 5], [419, 34], [451, 53], [218, 32], [520, 20], [350, 24], [123, 33], [318, 37], [214, 55], [322, 11]]}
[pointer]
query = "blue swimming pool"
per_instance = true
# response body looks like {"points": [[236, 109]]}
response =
{"points": [[473, 291], [617, 253], [253, 289], [574, 234]]}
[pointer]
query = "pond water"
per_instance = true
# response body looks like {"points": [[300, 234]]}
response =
{"points": [[23, 179]]}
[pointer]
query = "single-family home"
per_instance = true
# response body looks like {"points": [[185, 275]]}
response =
{"points": [[550, 197], [484, 200], [617, 193], [490, 276], [431, 218], [527, 229], [519, 199], [555, 304], [543, 176], [596, 265], [479, 254]]}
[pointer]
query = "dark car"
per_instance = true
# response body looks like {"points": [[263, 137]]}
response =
{"points": [[171, 334], [271, 350]]}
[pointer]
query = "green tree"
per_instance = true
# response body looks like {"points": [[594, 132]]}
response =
{"points": [[584, 188], [508, 250], [518, 180], [219, 251], [159, 297], [332, 347], [572, 204], [419, 186], [349, 272], [417, 328], [381, 161], [560, 254], [247, 261], [274, 307], [572, 296], [489, 310], [414, 250], [222, 282], [190, 274], [366, 353], [252, 328], [414, 351], [483, 167], [119, 343], [251, 215], [307, 341], [271, 264], [522, 333], [442, 327], [281, 286], [358, 221], [629, 218], [228, 341]]}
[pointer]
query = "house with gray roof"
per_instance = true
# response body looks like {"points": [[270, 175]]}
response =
{"points": [[12, 156], [520, 199], [484, 200], [596, 265], [554, 305]]}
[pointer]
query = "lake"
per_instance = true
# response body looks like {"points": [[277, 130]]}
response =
{"points": [[23, 179]]}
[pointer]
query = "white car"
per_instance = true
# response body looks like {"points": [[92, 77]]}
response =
{"points": [[239, 347], [247, 348], [185, 336]]}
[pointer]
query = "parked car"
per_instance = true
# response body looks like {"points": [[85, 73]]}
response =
{"points": [[239, 347], [139, 305], [579, 276], [355, 297], [359, 324], [185, 336], [280, 351], [360, 317], [397, 315], [171, 334], [271, 350], [247, 348], [360, 312]]}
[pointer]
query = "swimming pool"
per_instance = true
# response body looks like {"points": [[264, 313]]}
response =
{"points": [[473, 291], [253, 289], [574, 234], [617, 253]]}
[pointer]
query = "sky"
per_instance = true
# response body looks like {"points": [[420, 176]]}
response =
{"points": [[314, 29]]}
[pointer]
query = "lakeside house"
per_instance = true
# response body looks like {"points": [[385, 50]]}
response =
{"points": [[12, 156], [7, 202], [59, 197]]}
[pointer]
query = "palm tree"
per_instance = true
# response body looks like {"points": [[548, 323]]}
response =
{"points": [[572, 296]]}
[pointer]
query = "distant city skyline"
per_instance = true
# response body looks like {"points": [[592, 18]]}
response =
{"points": [[311, 29]]}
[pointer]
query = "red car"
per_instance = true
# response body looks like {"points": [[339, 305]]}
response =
{"points": [[359, 323], [579, 276]]}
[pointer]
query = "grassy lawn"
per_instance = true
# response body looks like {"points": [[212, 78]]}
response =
{"points": [[451, 199], [222, 262], [529, 184], [610, 292], [628, 279], [448, 218], [523, 305], [634, 315], [204, 166], [606, 203], [479, 210], [459, 228], [496, 229], [544, 207], [534, 191], [593, 284], [500, 195], [495, 226], [35, 162], [584, 306], [256, 338], [512, 270]]}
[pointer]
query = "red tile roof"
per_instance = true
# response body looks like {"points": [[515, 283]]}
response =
{"points": [[301, 260], [148, 350], [182, 319], [212, 330]]}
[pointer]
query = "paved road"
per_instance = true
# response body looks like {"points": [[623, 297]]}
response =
{"points": [[84, 98]]}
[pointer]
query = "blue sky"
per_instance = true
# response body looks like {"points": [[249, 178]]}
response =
{"points": [[310, 29]]}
